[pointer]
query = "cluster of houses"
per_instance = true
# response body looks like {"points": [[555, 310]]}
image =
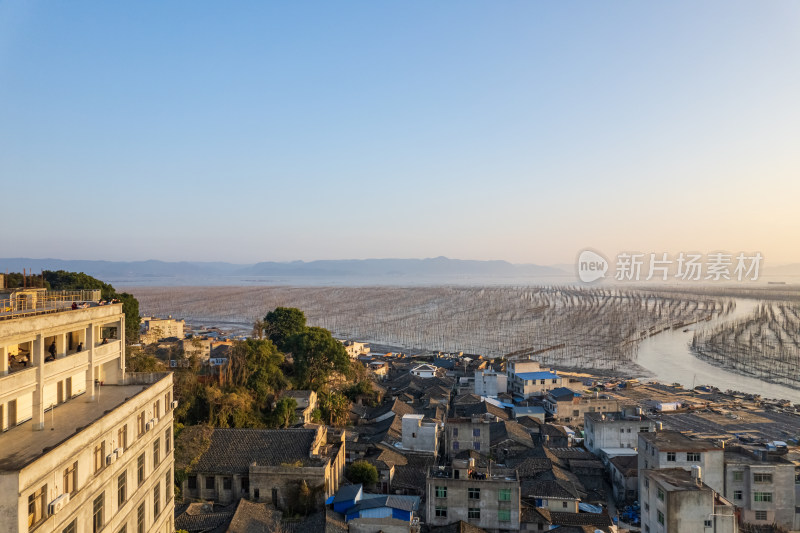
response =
{"points": [[482, 445]]}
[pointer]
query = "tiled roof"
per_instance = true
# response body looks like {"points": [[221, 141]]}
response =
{"points": [[549, 489], [234, 450], [509, 430], [580, 519], [405, 503], [628, 465], [472, 409], [251, 517], [203, 518], [397, 407], [457, 527]]}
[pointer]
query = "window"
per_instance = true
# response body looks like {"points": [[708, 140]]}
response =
{"points": [[245, 484], [72, 527], [167, 439], [476, 432], [761, 515], [737, 495], [156, 500], [504, 515], [660, 494], [97, 513], [670, 456], [441, 492], [760, 477], [707, 523], [156, 453], [621, 430], [693, 457], [227, 483], [157, 409], [167, 402], [123, 529], [504, 495], [140, 519], [37, 506], [762, 496], [564, 505], [455, 432], [455, 444], [122, 437], [473, 493], [541, 382], [646, 506], [169, 490], [210, 482], [474, 513], [476, 445], [99, 456], [140, 470], [441, 512], [646, 483], [122, 489], [660, 517], [140, 423], [738, 475], [192, 482], [555, 381], [644, 429], [71, 479]]}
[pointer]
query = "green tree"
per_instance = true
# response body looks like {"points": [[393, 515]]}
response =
{"points": [[316, 355], [362, 472], [335, 408], [256, 364], [282, 323], [284, 414], [61, 280]]}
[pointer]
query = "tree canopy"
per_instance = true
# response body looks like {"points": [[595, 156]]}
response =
{"points": [[362, 472], [282, 323], [316, 355]]}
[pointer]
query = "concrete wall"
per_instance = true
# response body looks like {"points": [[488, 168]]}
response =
{"points": [[420, 436], [458, 503], [614, 433], [490, 383], [782, 488]]}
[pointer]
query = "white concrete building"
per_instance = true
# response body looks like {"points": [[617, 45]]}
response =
{"points": [[672, 449], [424, 371], [420, 435], [86, 446], [675, 500], [614, 430], [161, 328], [490, 383]]}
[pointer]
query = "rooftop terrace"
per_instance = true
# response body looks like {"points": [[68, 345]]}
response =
{"points": [[20, 445], [18, 303]]}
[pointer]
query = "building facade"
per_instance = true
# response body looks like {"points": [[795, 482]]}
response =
{"points": [[614, 429], [527, 378], [762, 487], [675, 500], [86, 446], [672, 449], [488, 500], [490, 383]]}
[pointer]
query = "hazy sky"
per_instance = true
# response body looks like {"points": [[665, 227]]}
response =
{"points": [[523, 131]]}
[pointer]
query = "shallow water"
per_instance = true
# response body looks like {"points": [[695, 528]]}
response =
{"points": [[669, 357]]}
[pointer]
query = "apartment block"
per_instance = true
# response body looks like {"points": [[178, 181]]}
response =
{"points": [[487, 499], [86, 446], [527, 378], [672, 449], [675, 500]]}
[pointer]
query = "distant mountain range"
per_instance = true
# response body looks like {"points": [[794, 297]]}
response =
{"points": [[439, 270], [393, 271]]}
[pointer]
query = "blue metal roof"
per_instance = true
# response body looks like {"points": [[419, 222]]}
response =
{"points": [[537, 375]]}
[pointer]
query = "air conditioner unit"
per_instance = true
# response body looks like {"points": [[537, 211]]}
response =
{"points": [[58, 504], [174, 404], [118, 452], [149, 425], [110, 458]]}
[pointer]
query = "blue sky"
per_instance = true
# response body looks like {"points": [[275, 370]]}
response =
{"points": [[523, 131]]}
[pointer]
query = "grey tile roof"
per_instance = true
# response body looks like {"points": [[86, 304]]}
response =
{"points": [[253, 517], [203, 518], [234, 450]]}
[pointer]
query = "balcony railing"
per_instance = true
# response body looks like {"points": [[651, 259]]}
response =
{"points": [[26, 302]]}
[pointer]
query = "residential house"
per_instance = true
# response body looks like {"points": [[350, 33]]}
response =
{"points": [[526, 378], [568, 406], [614, 429], [490, 383], [672, 449], [677, 500]]}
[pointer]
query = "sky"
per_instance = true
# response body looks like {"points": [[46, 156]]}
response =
{"points": [[277, 131]]}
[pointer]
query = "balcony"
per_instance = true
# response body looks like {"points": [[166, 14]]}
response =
{"points": [[18, 303]]}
